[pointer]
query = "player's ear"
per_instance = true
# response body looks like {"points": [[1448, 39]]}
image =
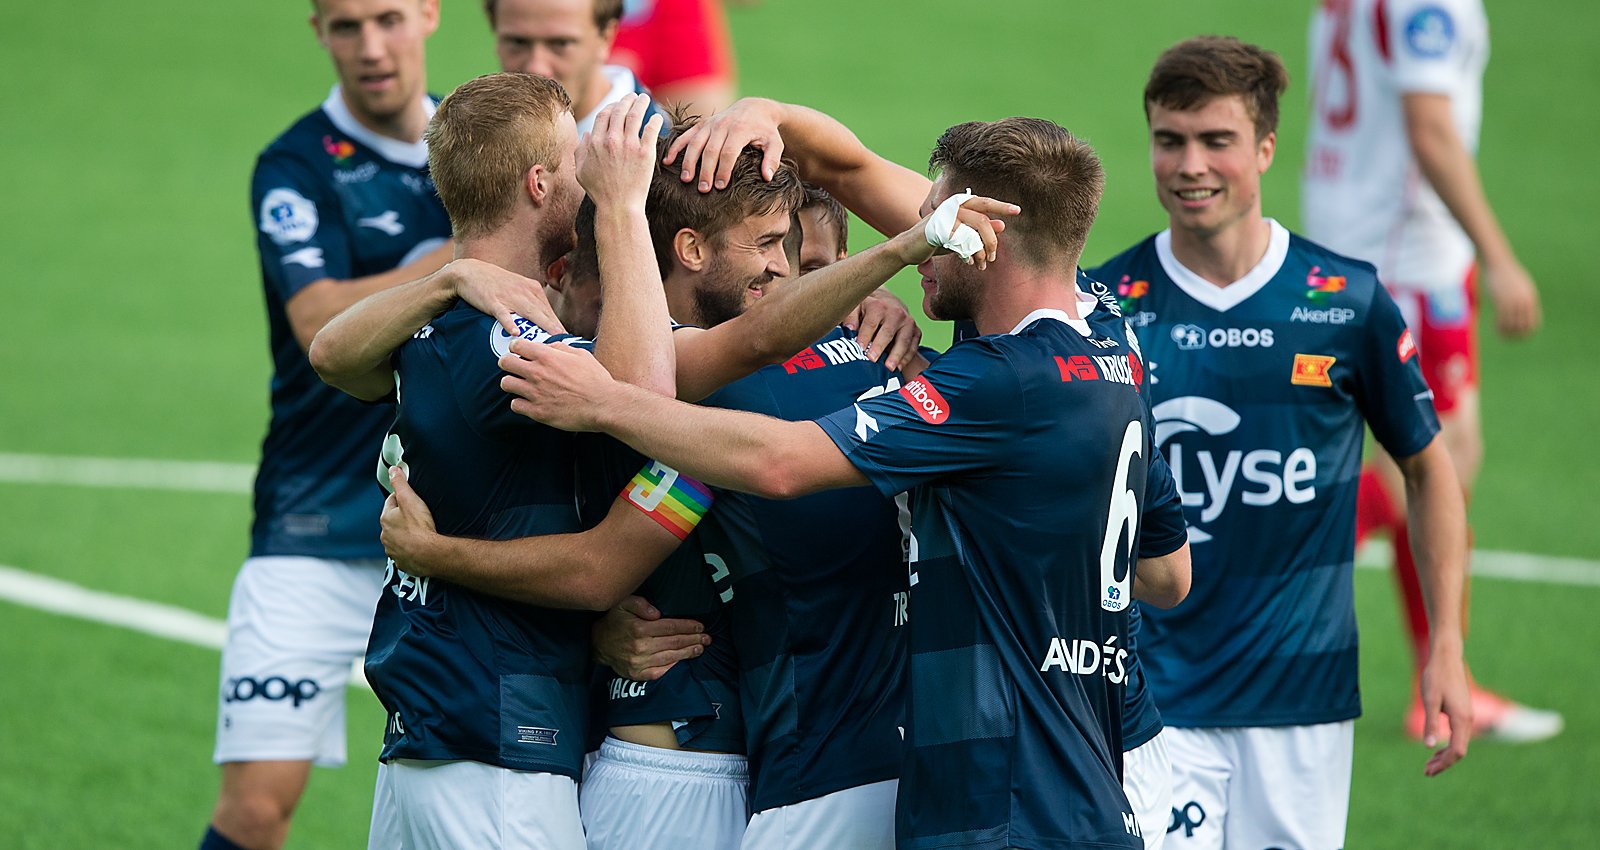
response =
{"points": [[690, 248], [1265, 148], [430, 17], [537, 184], [608, 34], [316, 26], [555, 275]]}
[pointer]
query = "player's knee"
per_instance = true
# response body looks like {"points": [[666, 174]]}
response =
{"points": [[255, 808]]}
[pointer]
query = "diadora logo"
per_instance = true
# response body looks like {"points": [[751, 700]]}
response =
{"points": [[388, 222], [626, 688], [866, 424], [1268, 475], [311, 258], [1330, 316], [1187, 817], [926, 401], [271, 689], [1322, 287], [1087, 658], [1194, 337], [500, 341]]}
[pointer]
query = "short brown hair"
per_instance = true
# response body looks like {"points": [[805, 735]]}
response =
{"points": [[482, 141], [1036, 164], [674, 205], [832, 212], [1192, 72], [606, 12]]}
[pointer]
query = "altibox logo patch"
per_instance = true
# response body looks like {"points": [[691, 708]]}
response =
{"points": [[926, 401]]}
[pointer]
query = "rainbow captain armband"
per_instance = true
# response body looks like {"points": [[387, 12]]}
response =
{"points": [[676, 501]]}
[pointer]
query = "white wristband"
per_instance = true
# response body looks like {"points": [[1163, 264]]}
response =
{"points": [[943, 231]]}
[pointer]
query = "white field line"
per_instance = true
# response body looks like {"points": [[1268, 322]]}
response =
{"points": [[1511, 566], [127, 473], [151, 618]]}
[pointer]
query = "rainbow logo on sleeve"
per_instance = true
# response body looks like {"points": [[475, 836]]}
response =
{"points": [[676, 502]]}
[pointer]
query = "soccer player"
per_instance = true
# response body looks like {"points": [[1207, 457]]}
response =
{"points": [[1397, 99], [1026, 454], [344, 208], [486, 699], [1266, 353]]}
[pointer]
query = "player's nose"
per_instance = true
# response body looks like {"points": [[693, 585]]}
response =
{"points": [[539, 62]]}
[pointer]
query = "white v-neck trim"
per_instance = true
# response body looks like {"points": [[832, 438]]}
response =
{"points": [[413, 154], [622, 85], [1086, 305], [1222, 298]]}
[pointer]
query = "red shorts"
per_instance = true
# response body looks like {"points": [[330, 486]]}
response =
{"points": [[676, 41], [1447, 337]]}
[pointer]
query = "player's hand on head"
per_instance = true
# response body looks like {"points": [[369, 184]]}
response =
{"points": [[941, 231], [407, 525], [1444, 689], [885, 328], [636, 642], [1516, 299], [710, 148], [618, 157], [559, 385], [503, 294]]}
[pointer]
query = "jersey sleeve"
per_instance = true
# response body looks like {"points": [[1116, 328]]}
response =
{"points": [[963, 415], [1390, 389], [1427, 43], [299, 233], [475, 352], [1161, 529]]}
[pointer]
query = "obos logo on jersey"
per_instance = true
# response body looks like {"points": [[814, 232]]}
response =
{"points": [[1194, 337], [501, 341], [288, 217], [1430, 32], [1262, 477], [926, 401]]}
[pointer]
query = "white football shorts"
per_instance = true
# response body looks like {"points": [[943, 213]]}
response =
{"points": [[1271, 786], [859, 818], [295, 627], [1147, 780], [447, 805], [647, 798]]}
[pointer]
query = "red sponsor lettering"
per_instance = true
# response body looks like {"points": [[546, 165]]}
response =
{"points": [[1136, 370], [926, 401], [1078, 367], [1406, 347], [807, 359]]}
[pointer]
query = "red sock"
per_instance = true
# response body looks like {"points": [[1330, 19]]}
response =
{"points": [[1375, 509]]}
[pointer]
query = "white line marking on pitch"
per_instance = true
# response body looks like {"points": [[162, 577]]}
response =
{"points": [[1511, 566], [151, 618], [127, 473]]}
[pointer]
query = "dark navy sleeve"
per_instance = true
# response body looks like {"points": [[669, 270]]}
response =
{"points": [[475, 353], [299, 231], [1161, 529], [963, 415], [1390, 390]]}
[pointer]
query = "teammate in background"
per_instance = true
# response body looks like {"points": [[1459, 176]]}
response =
{"points": [[1266, 353], [487, 699], [344, 208], [886, 196], [1397, 91], [1020, 584], [567, 41], [681, 49]]}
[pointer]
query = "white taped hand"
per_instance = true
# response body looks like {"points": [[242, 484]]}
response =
{"points": [[944, 231]]}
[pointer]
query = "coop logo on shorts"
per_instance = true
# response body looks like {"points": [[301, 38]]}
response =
{"points": [[1187, 817], [1194, 337], [288, 217], [1430, 32], [271, 689], [926, 401], [500, 341]]}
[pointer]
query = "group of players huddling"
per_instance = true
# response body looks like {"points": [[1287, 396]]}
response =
{"points": [[857, 593]]}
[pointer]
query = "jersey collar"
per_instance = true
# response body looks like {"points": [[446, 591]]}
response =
{"points": [[622, 85], [1086, 305], [413, 154], [1222, 298]]}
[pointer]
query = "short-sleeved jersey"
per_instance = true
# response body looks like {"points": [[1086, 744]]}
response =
{"points": [[1260, 390], [1363, 193], [331, 199], [1026, 457], [462, 674], [622, 83], [816, 589]]}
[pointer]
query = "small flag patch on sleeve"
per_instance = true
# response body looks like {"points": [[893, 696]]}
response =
{"points": [[677, 502]]}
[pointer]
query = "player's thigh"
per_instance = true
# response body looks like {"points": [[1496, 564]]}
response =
{"points": [[384, 833], [859, 818], [1147, 780], [295, 627], [1291, 788], [1202, 770], [636, 798], [442, 805]]}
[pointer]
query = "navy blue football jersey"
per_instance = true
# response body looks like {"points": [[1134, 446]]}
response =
{"points": [[331, 199], [816, 589], [1261, 389], [1026, 456], [462, 674]]}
